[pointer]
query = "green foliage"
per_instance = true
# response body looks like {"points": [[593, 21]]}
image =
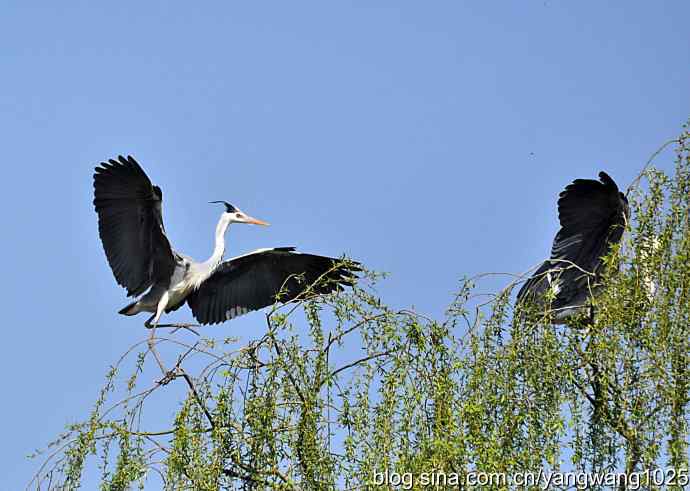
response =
{"points": [[345, 387]]}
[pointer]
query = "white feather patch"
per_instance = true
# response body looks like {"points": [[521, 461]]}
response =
{"points": [[235, 312]]}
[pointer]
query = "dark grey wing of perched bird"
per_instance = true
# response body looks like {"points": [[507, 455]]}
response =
{"points": [[252, 281], [130, 225], [592, 216]]}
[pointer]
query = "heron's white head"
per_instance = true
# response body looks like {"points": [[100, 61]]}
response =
{"points": [[235, 215]]}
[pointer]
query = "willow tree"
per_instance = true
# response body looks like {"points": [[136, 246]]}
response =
{"points": [[343, 392]]}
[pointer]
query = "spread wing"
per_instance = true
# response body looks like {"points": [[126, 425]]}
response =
{"points": [[252, 281], [130, 225], [592, 216]]}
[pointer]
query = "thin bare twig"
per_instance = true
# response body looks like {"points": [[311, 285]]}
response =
{"points": [[357, 362], [635, 181]]}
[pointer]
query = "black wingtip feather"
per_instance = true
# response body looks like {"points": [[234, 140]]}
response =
{"points": [[130, 225], [607, 180]]}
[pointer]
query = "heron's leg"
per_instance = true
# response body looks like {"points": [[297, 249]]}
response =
{"points": [[162, 303]]}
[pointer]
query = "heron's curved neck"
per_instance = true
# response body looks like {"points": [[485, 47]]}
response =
{"points": [[219, 246]]}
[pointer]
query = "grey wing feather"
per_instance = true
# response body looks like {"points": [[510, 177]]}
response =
{"points": [[253, 281], [130, 225]]}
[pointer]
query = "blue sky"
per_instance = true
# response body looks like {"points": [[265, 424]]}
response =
{"points": [[426, 139]]}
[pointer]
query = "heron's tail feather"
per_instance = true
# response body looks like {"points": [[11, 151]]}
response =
{"points": [[130, 309]]}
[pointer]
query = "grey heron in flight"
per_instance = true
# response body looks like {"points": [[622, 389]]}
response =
{"points": [[130, 225], [592, 215]]}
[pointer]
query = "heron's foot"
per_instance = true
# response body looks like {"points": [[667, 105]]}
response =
{"points": [[168, 377], [147, 322], [183, 325]]}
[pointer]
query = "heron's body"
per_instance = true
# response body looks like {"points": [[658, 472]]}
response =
{"points": [[593, 215], [187, 276], [181, 285], [131, 228]]}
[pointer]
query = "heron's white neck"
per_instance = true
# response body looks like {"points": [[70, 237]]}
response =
{"points": [[219, 246]]}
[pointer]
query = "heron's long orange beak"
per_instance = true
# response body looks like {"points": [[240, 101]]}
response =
{"points": [[256, 221]]}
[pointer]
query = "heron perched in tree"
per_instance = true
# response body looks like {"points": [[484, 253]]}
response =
{"points": [[592, 215], [130, 225]]}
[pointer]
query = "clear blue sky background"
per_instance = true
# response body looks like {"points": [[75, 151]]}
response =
{"points": [[427, 139]]}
